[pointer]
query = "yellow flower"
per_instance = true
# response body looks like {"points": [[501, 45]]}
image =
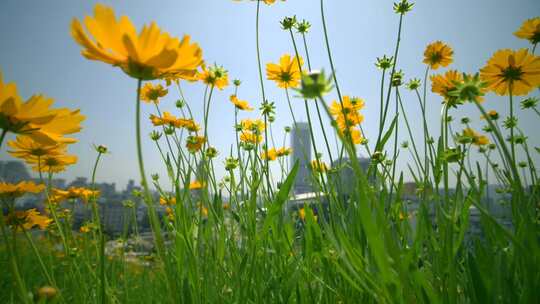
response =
{"points": [[508, 70], [250, 137], [150, 54], [319, 166], [240, 104], [271, 155], [442, 84], [214, 76], [8, 190], [27, 220], [253, 125], [85, 194], [477, 139], [167, 200], [152, 93], [354, 133], [438, 54], [84, 229], [188, 124], [287, 73], [52, 163], [195, 143], [35, 118], [25, 147], [302, 214], [283, 151], [195, 185], [530, 30], [347, 115]]}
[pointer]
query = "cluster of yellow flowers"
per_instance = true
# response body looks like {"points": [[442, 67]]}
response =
{"points": [[9, 191], [251, 130], [273, 153], [85, 194], [348, 117], [167, 119]]}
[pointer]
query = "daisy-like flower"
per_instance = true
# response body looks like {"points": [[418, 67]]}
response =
{"points": [[283, 151], [253, 125], [146, 55], [287, 73], [271, 154], [85, 194], [508, 70], [346, 113], [12, 191], [530, 30], [319, 166], [152, 93], [167, 119], [476, 138], [438, 54], [214, 76], [27, 220], [250, 137], [167, 201], [52, 163], [195, 143], [444, 84], [35, 118], [302, 214], [25, 147], [240, 104], [354, 134]]}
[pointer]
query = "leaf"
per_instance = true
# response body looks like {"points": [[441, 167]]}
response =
{"points": [[387, 135]]}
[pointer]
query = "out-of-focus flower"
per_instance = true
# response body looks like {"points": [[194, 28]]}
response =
{"points": [[240, 104], [12, 191], [319, 166], [27, 220], [215, 76], [194, 143], [530, 30], [152, 93]]}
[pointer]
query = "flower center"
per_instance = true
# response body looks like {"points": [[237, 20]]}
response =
{"points": [[512, 73]]}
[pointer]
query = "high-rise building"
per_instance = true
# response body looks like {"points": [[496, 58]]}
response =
{"points": [[13, 171], [346, 180], [301, 146]]}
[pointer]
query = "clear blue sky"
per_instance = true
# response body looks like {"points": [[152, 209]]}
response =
{"points": [[40, 56]]}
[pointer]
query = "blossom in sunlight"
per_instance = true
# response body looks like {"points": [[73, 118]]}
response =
{"points": [[512, 72], [250, 137], [438, 54], [52, 163], [319, 166], [253, 125], [195, 143], [476, 138], [214, 76], [27, 220], [146, 55], [346, 113], [443, 84], [152, 93], [12, 191], [530, 30], [271, 154], [25, 147], [195, 185], [35, 117], [240, 104], [353, 133], [287, 73]]}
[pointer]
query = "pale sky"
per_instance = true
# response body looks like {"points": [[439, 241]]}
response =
{"points": [[39, 55]]}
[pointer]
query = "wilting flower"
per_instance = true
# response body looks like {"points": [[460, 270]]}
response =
{"points": [[214, 76], [35, 118], [287, 73], [509, 71], [152, 93], [12, 191], [476, 138], [240, 104], [530, 30], [319, 166], [438, 54], [194, 143], [148, 55], [27, 220]]}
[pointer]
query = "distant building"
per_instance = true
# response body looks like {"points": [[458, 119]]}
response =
{"points": [[301, 146], [346, 180]]}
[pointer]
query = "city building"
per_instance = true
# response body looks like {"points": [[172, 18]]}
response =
{"points": [[301, 152]]}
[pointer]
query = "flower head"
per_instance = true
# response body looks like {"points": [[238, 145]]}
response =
{"points": [[214, 76], [346, 113], [319, 166], [314, 85], [413, 84], [443, 84], [240, 104], [288, 22], [475, 138], [52, 163], [508, 70], [194, 143], [146, 55], [27, 220], [25, 147], [303, 26], [530, 102], [403, 7], [270, 155], [11, 191], [152, 93], [384, 63], [438, 54], [195, 185], [287, 73], [530, 30]]}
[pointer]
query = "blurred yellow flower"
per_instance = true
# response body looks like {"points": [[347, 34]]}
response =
{"points": [[152, 93], [27, 220], [214, 76], [271, 154], [476, 138], [35, 118], [250, 137], [438, 54], [253, 125], [169, 201], [287, 73], [283, 151], [508, 70], [442, 84], [11, 191], [530, 30], [319, 166], [195, 143], [240, 104], [52, 163], [85, 194], [195, 185], [150, 54]]}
